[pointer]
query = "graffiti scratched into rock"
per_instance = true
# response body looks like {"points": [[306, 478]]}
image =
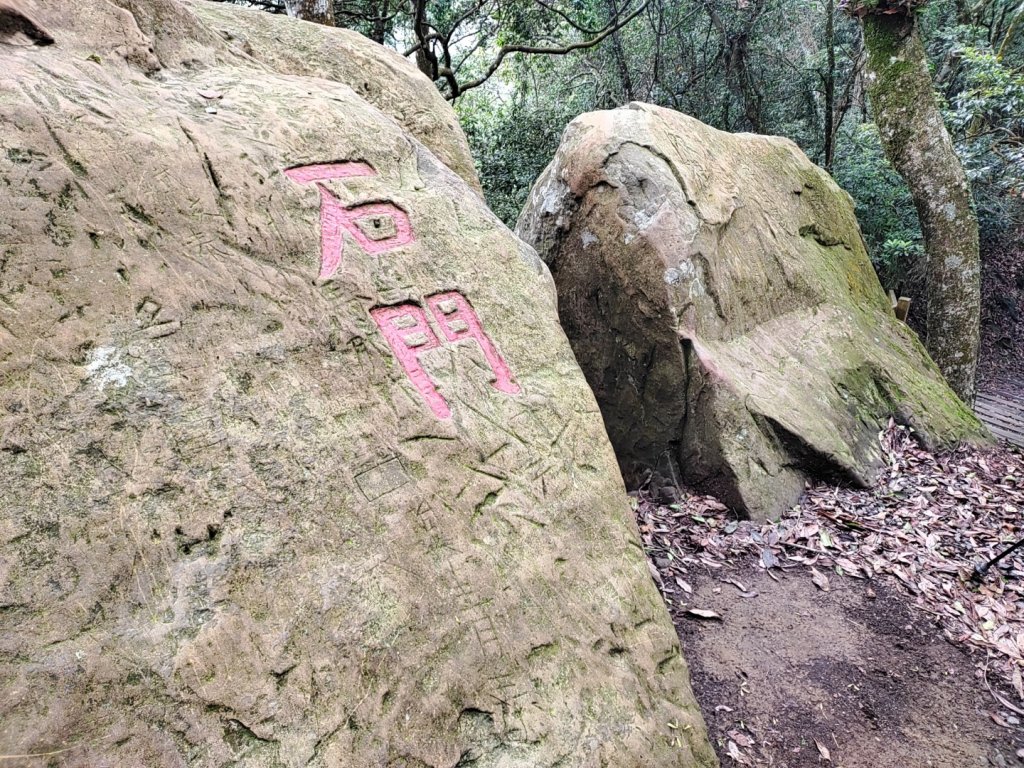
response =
{"points": [[382, 479], [377, 227], [408, 331]]}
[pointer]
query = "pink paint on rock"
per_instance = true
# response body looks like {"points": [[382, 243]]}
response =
{"points": [[458, 321], [403, 227], [332, 242], [408, 333], [334, 217], [306, 174]]}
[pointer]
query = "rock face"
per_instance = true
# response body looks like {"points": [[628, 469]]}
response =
{"points": [[719, 299], [17, 27], [296, 465], [382, 77]]}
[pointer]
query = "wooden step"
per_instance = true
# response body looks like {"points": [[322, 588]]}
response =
{"points": [[1003, 414]]}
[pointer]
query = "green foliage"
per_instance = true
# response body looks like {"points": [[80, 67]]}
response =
{"points": [[882, 201], [977, 52], [512, 137], [899, 262], [747, 67], [987, 118]]}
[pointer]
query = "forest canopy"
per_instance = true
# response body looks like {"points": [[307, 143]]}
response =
{"points": [[519, 70]]}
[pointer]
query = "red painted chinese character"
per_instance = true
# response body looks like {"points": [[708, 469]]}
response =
{"points": [[377, 227], [458, 321], [409, 334]]}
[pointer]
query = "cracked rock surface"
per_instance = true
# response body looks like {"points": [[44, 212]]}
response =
{"points": [[250, 516], [718, 296]]}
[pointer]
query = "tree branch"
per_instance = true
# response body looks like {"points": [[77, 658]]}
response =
{"points": [[532, 50]]}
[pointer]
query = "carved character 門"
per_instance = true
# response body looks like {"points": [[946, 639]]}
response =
{"points": [[458, 321], [409, 335], [408, 331]]}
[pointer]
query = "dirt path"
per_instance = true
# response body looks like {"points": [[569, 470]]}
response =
{"points": [[855, 669]]}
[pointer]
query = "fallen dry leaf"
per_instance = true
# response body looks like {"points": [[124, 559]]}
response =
{"points": [[927, 521], [741, 738], [704, 613], [820, 580], [823, 751]]}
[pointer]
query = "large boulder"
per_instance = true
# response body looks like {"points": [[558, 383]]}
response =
{"points": [[719, 299], [381, 76], [296, 465]]}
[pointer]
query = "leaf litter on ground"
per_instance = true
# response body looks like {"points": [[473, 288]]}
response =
{"points": [[928, 521]]}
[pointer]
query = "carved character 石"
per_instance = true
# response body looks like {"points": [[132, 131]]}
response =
{"points": [[378, 227]]}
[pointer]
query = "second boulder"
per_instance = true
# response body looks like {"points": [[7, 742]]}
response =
{"points": [[719, 298]]}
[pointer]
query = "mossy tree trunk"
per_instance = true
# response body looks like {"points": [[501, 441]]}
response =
{"points": [[918, 145], [317, 11]]}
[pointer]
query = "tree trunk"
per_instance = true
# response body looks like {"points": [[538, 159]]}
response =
{"points": [[425, 59], [317, 11], [381, 12], [625, 81], [830, 83], [918, 145]]}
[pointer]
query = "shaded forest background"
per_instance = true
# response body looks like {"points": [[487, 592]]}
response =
{"points": [[518, 71]]}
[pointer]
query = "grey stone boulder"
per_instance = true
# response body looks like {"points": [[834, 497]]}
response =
{"points": [[718, 296], [296, 465], [379, 75]]}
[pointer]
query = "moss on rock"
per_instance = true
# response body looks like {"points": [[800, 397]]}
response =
{"points": [[719, 298], [235, 531]]}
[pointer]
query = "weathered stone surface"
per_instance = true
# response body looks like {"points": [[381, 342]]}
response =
{"points": [[381, 76], [17, 27], [235, 530], [718, 297]]}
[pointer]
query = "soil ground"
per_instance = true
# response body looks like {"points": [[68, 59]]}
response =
{"points": [[791, 676], [855, 669]]}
